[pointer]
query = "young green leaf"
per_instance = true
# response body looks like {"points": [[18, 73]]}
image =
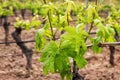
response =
{"points": [[40, 40]]}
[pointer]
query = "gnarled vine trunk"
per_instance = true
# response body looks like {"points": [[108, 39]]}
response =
{"points": [[27, 52], [112, 50], [6, 28], [15, 13], [23, 13], [76, 75]]}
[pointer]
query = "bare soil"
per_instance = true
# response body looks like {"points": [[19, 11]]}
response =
{"points": [[12, 62]]}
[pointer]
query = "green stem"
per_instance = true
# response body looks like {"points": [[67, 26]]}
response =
{"points": [[68, 19], [51, 27], [91, 27], [96, 2], [44, 1], [89, 30]]}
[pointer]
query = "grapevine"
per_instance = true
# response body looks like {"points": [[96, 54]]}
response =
{"points": [[57, 39]]}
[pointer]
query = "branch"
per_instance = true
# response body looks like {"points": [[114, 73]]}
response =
{"points": [[105, 44], [92, 33], [29, 41], [18, 42]]}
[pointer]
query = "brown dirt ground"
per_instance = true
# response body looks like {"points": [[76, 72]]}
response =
{"points": [[12, 63]]}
